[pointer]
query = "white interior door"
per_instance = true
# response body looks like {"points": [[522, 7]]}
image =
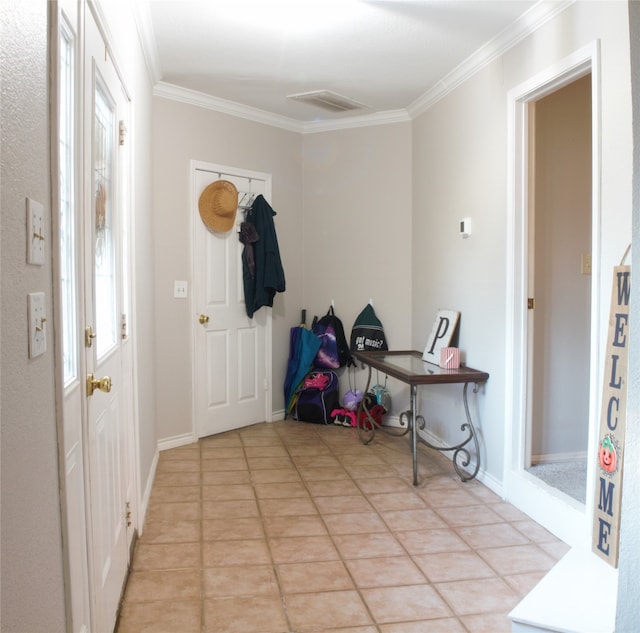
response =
{"points": [[231, 351], [108, 435]]}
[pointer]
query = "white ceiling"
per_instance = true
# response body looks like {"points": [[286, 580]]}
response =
{"points": [[394, 56]]}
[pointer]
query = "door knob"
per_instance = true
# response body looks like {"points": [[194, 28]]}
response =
{"points": [[104, 384], [204, 319]]}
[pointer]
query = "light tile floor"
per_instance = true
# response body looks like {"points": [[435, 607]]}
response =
{"points": [[295, 527]]}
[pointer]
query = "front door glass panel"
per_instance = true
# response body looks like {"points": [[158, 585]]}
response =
{"points": [[104, 191]]}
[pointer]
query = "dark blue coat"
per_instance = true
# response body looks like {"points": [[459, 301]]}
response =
{"points": [[268, 275]]}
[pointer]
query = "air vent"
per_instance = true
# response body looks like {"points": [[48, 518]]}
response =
{"points": [[328, 100]]}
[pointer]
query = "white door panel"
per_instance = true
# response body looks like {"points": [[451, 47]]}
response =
{"points": [[107, 437], [96, 435], [231, 350]]}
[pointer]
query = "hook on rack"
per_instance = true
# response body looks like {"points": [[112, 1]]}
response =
{"points": [[245, 200]]}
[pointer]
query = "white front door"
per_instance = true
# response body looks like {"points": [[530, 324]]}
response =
{"points": [[108, 404], [231, 351]]}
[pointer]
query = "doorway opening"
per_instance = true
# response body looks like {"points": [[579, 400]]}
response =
{"points": [[552, 315], [559, 193]]}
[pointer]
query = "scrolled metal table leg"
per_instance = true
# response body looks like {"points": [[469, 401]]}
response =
{"points": [[461, 455], [472, 432], [365, 424]]}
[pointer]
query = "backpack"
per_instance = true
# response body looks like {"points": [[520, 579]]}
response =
{"points": [[367, 332], [334, 351], [317, 397]]}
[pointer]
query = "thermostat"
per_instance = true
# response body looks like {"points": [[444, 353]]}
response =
{"points": [[465, 227]]}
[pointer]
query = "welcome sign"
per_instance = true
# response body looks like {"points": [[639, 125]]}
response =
{"points": [[608, 492]]}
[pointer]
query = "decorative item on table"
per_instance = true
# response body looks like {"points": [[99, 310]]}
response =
{"points": [[450, 358], [442, 333]]}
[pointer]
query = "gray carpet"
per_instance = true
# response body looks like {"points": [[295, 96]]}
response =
{"points": [[568, 477]]}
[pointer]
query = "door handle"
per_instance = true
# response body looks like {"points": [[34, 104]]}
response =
{"points": [[103, 384], [204, 319]]}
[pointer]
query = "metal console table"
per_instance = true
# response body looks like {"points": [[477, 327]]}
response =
{"points": [[408, 367]]}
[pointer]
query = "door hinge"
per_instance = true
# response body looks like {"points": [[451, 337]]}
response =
{"points": [[122, 129], [123, 327], [531, 303], [89, 335], [266, 384]]}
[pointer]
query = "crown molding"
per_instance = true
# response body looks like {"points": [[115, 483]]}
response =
{"points": [[526, 24], [363, 120], [193, 97], [202, 100]]}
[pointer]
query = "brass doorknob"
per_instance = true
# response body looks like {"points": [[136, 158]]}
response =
{"points": [[204, 319], [103, 384]]}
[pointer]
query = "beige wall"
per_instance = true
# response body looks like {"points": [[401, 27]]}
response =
{"points": [[460, 169], [32, 568], [357, 231], [182, 133]]}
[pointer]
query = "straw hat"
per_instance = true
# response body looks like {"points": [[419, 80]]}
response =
{"points": [[218, 204]]}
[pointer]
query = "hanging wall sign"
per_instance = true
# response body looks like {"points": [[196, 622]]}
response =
{"points": [[611, 436]]}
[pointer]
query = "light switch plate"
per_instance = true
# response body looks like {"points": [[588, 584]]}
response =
{"points": [[35, 232], [37, 324], [180, 289]]}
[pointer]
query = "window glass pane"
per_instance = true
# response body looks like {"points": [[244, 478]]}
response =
{"points": [[67, 208], [105, 269]]}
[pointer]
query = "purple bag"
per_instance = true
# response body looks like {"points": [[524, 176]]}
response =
{"points": [[315, 403], [334, 350]]}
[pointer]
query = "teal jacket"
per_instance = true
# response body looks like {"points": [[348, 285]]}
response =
{"points": [[264, 276]]}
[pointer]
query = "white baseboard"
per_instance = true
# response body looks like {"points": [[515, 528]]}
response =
{"points": [[146, 495], [550, 458], [176, 441]]}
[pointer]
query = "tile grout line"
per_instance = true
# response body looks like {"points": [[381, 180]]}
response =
{"points": [[329, 533], [266, 538], [201, 526]]}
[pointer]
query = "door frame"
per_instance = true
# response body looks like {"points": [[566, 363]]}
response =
{"points": [[564, 517], [194, 309]]}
